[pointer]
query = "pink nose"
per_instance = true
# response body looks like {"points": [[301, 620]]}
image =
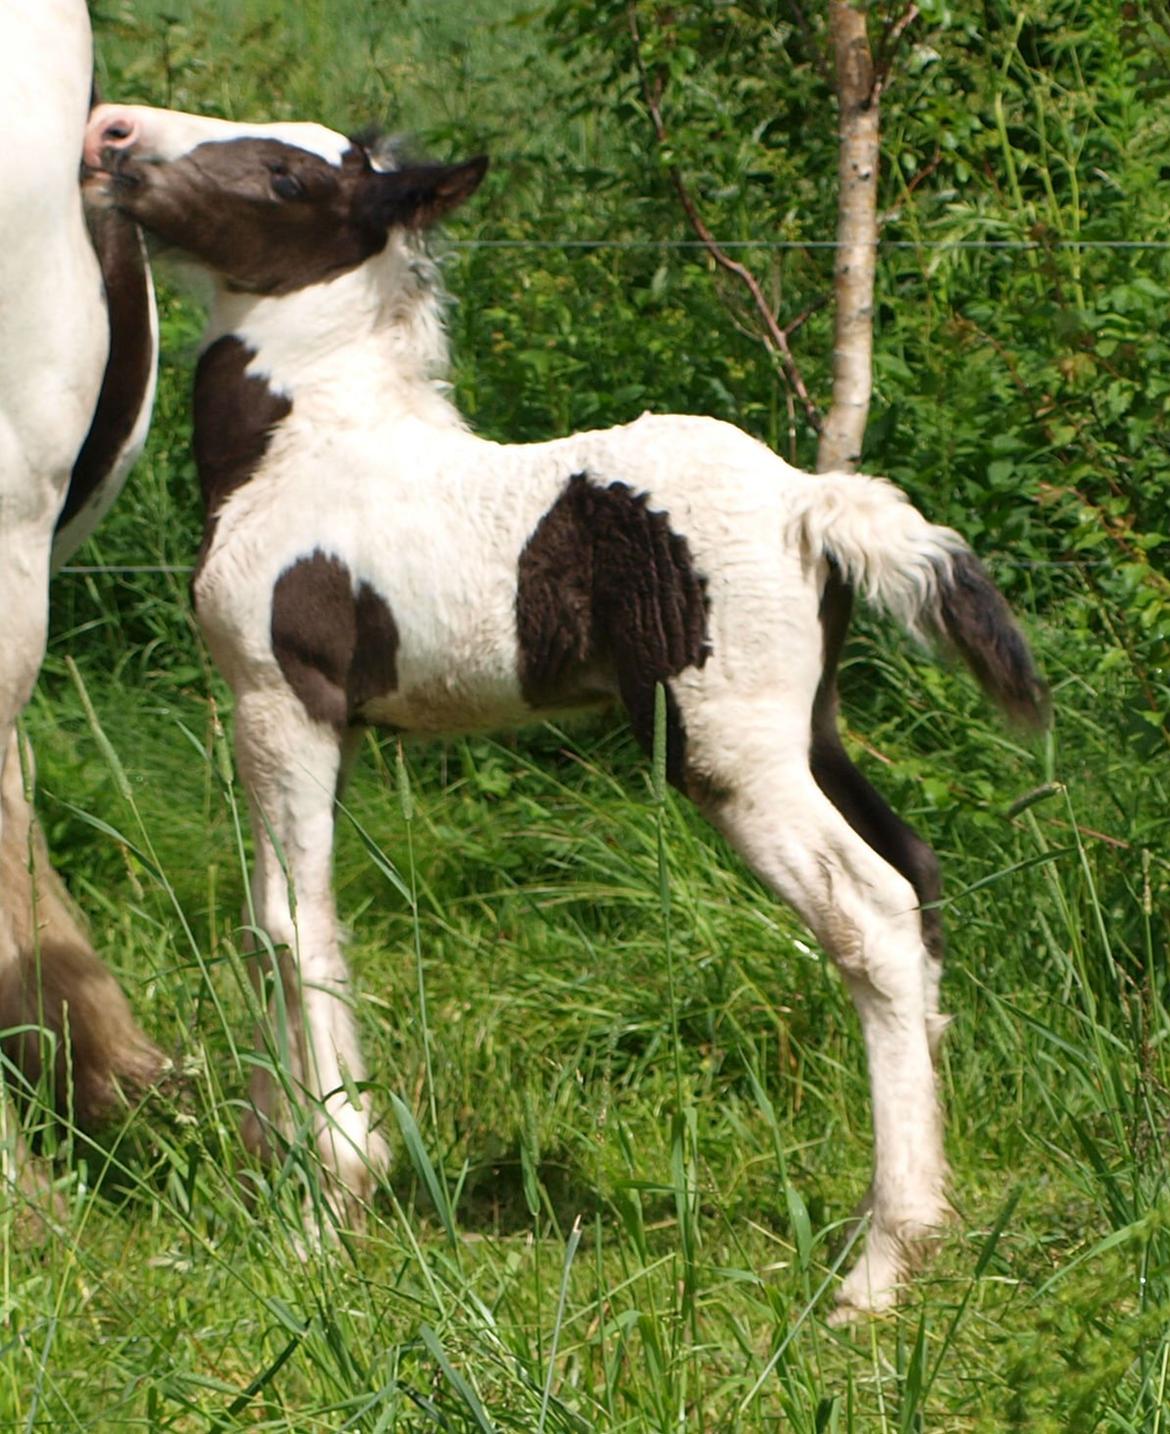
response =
{"points": [[109, 127]]}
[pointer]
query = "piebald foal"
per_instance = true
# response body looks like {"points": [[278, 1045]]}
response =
{"points": [[368, 559]]}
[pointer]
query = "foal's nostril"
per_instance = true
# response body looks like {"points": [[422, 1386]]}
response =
{"points": [[111, 130]]}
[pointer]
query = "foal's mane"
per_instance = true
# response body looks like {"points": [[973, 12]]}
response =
{"points": [[386, 150], [420, 301]]}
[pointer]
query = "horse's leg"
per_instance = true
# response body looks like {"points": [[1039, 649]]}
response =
{"points": [[27, 508], [24, 596], [29, 499], [863, 806], [351, 749], [896, 842], [290, 766], [865, 914], [64, 1009]]}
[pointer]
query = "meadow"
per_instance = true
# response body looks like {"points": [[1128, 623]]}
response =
{"points": [[625, 1093]]}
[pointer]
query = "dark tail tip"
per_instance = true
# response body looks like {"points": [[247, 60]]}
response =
{"points": [[980, 626]]}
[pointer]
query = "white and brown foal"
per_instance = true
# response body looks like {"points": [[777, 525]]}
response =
{"points": [[368, 559], [77, 371]]}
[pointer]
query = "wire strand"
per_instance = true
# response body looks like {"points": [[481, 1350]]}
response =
{"points": [[138, 569], [84, 569], [698, 244]]}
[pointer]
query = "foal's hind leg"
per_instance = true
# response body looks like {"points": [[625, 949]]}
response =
{"points": [[863, 806], [865, 913], [290, 765], [895, 841]]}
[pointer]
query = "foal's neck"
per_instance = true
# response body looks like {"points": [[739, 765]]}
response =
{"points": [[369, 344]]}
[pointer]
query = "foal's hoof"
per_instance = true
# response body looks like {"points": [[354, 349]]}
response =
{"points": [[346, 1169], [849, 1310], [351, 1173], [872, 1287]]}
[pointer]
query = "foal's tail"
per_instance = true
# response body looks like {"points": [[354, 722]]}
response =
{"points": [[926, 577]]}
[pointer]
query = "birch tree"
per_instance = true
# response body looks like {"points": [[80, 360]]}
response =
{"points": [[858, 131], [858, 83], [853, 71]]}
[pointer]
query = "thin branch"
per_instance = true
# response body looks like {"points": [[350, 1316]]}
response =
{"points": [[920, 178], [891, 39], [805, 314], [746, 329], [790, 410], [926, 171], [775, 337]]}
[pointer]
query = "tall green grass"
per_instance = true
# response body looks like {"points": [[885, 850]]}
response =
{"points": [[626, 1097]]}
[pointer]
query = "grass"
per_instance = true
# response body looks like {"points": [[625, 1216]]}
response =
{"points": [[631, 1116], [626, 1097]]}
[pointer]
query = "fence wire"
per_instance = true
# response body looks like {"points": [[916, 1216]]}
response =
{"points": [[701, 246], [1031, 245], [85, 570]]}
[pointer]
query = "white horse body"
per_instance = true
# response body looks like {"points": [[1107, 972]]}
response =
{"points": [[55, 338], [57, 334], [436, 519], [367, 559]]}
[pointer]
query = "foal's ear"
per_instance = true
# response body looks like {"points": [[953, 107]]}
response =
{"points": [[420, 195]]}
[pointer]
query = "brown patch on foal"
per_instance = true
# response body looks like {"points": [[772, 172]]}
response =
{"points": [[65, 1017], [337, 649], [235, 414], [604, 584], [269, 216]]}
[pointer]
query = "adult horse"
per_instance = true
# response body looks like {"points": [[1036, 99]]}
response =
{"points": [[78, 347]]}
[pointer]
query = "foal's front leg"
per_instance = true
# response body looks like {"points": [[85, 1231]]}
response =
{"points": [[290, 766]]}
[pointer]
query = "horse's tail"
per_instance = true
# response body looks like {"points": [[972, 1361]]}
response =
{"points": [[926, 577], [65, 1025]]}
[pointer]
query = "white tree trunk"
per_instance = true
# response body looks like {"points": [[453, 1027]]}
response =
{"points": [[857, 176]]}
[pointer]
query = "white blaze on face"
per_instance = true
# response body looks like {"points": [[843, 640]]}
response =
{"points": [[154, 134]]}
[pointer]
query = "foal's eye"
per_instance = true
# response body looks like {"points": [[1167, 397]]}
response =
{"points": [[286, 185]]}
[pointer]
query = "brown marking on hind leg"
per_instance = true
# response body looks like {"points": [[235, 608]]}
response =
{"points": [[864, 808]]}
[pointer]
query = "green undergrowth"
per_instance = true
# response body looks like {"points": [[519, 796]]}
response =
{"points": [[626, 1098], [631, 1120]]}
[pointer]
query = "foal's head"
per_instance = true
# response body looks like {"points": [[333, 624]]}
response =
{"points": [[265, 208]]}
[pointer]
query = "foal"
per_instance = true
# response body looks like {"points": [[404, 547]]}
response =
{"points": [[367, 559]]}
